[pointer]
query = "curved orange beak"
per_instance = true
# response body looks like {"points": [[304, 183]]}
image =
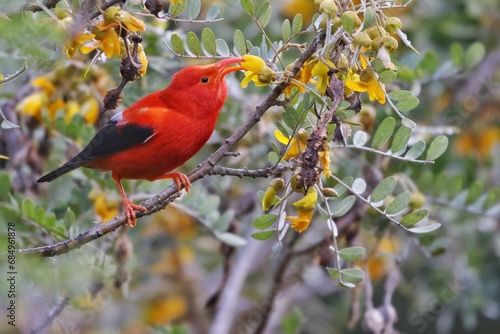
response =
{"points": [[223, 68]]}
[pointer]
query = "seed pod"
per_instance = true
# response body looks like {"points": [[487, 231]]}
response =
{"points": [[268, 199], [329, 192], [277, 184], [297, 187]]}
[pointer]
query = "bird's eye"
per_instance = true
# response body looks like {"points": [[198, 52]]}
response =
{"points": [[204, 80]]}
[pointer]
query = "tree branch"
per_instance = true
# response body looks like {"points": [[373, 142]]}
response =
{"points": [[161, 200]]}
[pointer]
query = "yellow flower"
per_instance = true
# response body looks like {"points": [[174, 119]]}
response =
{"points": [[45, 84], [307, 202], [256, 71], [324, 157], [106, 38], [124, 19], [164, 310], [320, 70], [4, 157], [366, 82], [32, 105], [296, 145], [90, 110], [77, 40], [105, 207], [303, 76], [302, 221]]}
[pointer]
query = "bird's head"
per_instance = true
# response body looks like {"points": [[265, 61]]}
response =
{"points": [[202, 88]]}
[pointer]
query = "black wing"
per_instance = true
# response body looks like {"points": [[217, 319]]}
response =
{"points": [[108, 140]]}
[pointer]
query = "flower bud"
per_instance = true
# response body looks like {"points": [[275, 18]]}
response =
{"points": [[390, 43], [317, 3], [266, 75], [376, 43], [110, 14], [391, 24], [417, 200], [329, 7], [362, 39], [352, 15], [373, 32], [302, 135], [277, 184], [268, 199], [366, 75]]}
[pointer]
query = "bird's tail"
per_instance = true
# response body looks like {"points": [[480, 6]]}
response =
{"points": [[66, 168]]}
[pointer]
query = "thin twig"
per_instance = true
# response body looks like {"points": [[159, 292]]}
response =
{"points": [[52, 315]]}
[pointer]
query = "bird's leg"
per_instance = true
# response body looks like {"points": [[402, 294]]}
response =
{"points": [[127, 204], [179, 179]]}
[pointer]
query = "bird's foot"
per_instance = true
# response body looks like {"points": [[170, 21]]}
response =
{"points": [[181, 179], [129, 210]]}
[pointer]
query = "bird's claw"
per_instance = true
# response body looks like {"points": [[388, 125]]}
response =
{"points": [[129, 211], [181, 179]]}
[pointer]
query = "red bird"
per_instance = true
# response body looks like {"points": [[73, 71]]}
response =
{"points": [[159, 132]]}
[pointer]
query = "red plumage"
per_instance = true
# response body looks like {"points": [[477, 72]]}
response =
{"points": [[158, 133]]}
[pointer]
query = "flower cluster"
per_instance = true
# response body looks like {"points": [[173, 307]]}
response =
{"points": [[71, 94]]}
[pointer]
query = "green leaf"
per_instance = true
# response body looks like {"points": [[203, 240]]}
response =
{"points": [[213, 11], [69, 218], [264, 235], [193, 9], [50, 220], [384, 132], [286, 29], [387, 76], [360, 138], [400, 95], [401, 139], [408, 104], [416, 150], [348, 23], [39, 215], [239, 42], [475, 190], [273, 158], [344, 206], [429, 63], [399, 203], [492, 198], [297, 23], [370, 17], [222, 47], [177, 8], [437, 147], [455, 185], [193, 43], [340, 189], [352, 275], [408, 123], [411, 219], [264, 14], [265, 221], [474, 54], [359, 186], [344, 114], [334, 273], [330, 130], [457, 54], [4, 186], [425, 229], [290, 117], [377, 65], [28, 208], [352, 254], [282, 129], [247, 6], [383, 189], [208, 41], [231, 239]]}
